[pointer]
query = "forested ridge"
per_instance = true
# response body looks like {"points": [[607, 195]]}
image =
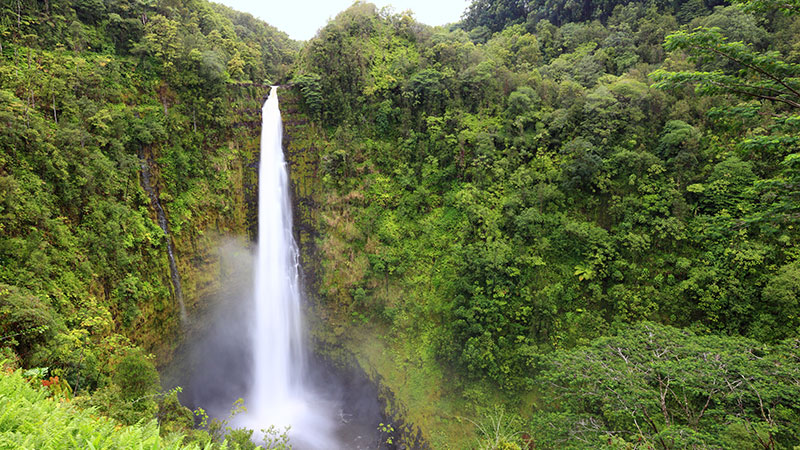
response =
{"points": [[566, 224], [554, 224], [92, 92]]}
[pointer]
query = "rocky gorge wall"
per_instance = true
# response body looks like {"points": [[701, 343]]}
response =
{"points": [[199, 233], [198, 241]]}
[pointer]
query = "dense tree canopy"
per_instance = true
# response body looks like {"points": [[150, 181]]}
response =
{"points": [[495, 15], [585, 211], [543, 175]]}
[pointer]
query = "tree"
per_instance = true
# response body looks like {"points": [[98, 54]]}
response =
{"points": [[769, 88], [784, 6], [311, 90], [669, 388], [427, 89], [136, 375], [731, 68], [781, 298], [495, 14], [25, 320]]}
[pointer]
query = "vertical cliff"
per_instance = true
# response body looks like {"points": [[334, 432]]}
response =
{"points": [[303, 156], [200, 230], [304, 143]]}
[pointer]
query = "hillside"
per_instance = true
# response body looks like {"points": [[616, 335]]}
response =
{"points": [[126, 151], [554, 224], [508, 205]]}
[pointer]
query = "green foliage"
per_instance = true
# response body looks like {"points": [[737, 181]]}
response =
{"points": [[275, 438], [427, 90], [311, 89], [500, 205], [495, 195], [786, 7], [131, 397], [90, 91], [387, 431], [113, 402], [219, 431], [666, 387], [760, 75], [136, 376], [499, 431], [781, 295], [32, 420], [25, 321], [497, 15], [172, 416]]}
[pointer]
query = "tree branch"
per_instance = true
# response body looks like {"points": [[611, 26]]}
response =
{"points": [[757, 95], [753, 67]]}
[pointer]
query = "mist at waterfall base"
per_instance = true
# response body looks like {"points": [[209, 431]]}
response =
{"points": [[214, 366], [251, 344]]}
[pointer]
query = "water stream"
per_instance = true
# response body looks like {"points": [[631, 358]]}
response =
{"points": [[280, 394], [161, 216]]}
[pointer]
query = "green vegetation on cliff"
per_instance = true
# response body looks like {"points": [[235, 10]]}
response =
{"points": [[554, 224], [504, 199], [90, 92]]}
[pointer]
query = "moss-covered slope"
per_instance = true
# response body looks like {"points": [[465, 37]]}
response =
{"points": [[90, 94]]}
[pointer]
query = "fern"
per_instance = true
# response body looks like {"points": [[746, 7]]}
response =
{"points": [[31, 420]]}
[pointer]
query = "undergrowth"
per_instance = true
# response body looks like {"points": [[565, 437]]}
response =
{"points": [[29, 419]]}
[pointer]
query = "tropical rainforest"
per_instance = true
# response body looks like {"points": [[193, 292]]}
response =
{"points": [[553, 224]]}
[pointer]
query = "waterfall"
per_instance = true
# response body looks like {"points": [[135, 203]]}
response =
{"points": [[279, 395]]}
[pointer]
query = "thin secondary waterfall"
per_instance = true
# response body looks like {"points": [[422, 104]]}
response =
{"points": [[278, 395], [164, 224]]}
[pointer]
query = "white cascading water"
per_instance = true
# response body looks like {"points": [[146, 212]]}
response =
{"points": [[278, 395]]}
